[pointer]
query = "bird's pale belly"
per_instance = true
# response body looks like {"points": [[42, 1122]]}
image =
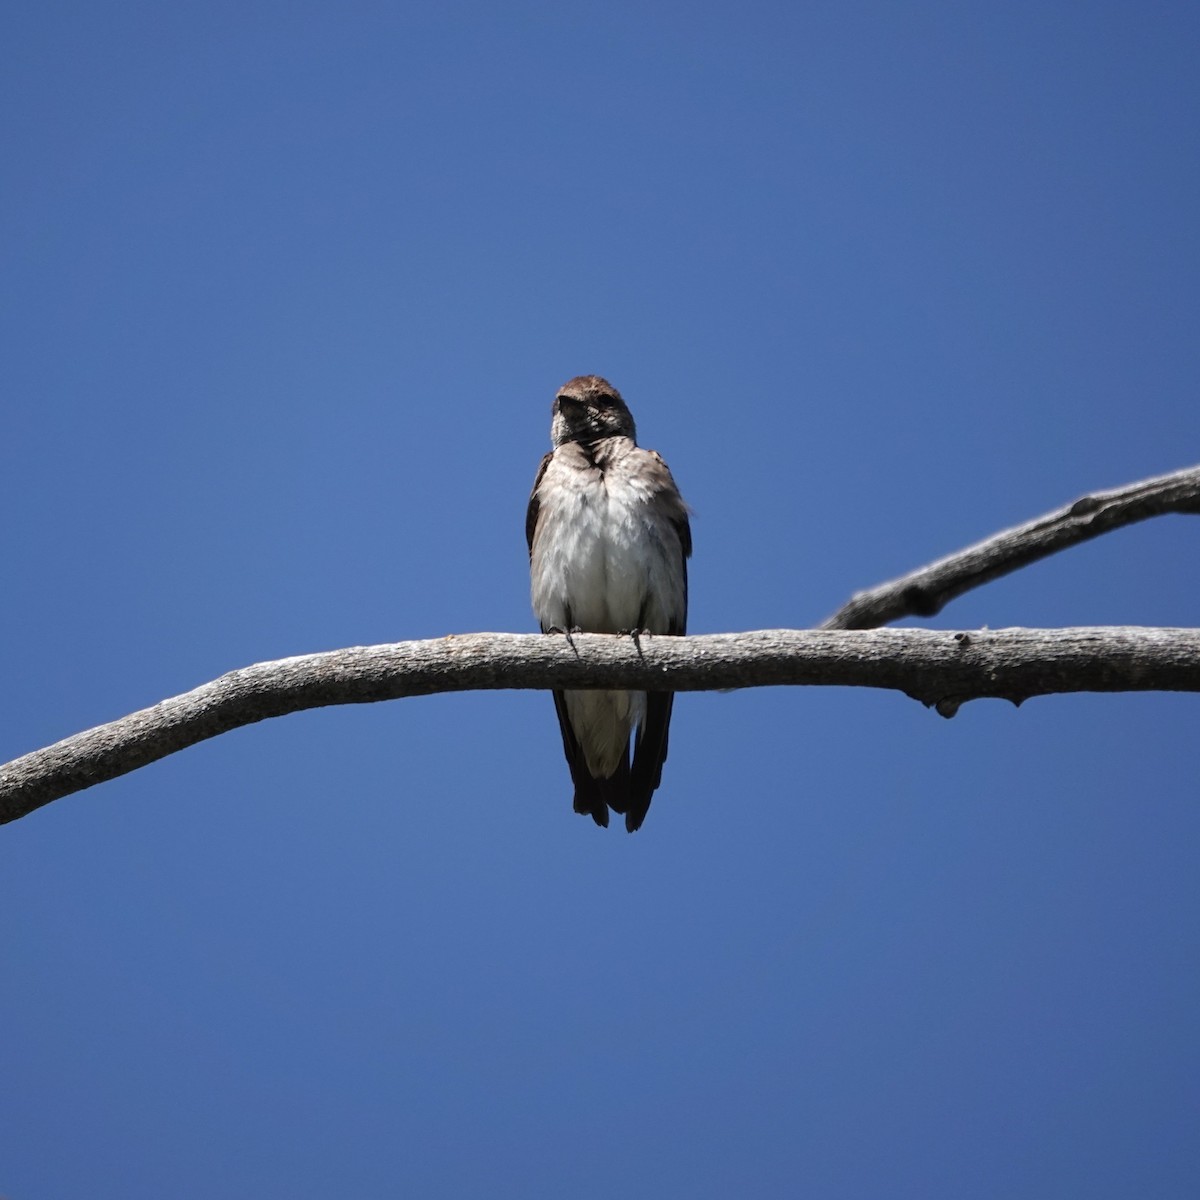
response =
{"points": [[596, 573], [603, 721]]}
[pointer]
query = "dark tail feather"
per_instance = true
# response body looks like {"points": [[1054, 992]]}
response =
{"points": [[592, 796], [596, 796], [587, 804], [648, 757]]}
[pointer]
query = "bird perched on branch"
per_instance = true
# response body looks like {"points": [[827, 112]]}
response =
{"points": [[608, 542]]}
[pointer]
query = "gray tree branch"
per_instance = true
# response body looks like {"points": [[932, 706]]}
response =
{"points": [[925, 592], [941, 669]]}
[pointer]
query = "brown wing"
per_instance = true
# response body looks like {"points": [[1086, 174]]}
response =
{"points": [[531, 513], [667, 494], [650, 750]]}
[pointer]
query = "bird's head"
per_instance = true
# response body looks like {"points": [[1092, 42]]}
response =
{"points": [[588, 408]]}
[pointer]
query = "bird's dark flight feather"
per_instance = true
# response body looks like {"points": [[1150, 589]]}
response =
{"points": [[531, 513]]}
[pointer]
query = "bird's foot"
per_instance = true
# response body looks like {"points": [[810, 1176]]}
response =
{"points": [[566, 633], [637, 635]]}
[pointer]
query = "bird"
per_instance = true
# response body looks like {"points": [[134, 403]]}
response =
{"points": [[609, 539]]}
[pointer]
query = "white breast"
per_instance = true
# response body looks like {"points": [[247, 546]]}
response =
{"points": [[604, 559], [600, 560]]}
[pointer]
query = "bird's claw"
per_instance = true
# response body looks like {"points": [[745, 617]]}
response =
{"points": [[566, 633], [636, 634]]}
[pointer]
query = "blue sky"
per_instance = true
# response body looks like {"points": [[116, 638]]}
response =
{"points": [[288, 292]]}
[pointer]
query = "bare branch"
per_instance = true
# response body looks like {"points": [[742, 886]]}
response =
{"points": [[925, 592], [940, 669]]}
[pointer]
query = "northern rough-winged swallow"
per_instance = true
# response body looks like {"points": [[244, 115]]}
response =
{"points": [[608, 542]]}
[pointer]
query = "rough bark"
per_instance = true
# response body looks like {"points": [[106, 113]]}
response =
{"points": [[925, 592], [940, 668]]}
